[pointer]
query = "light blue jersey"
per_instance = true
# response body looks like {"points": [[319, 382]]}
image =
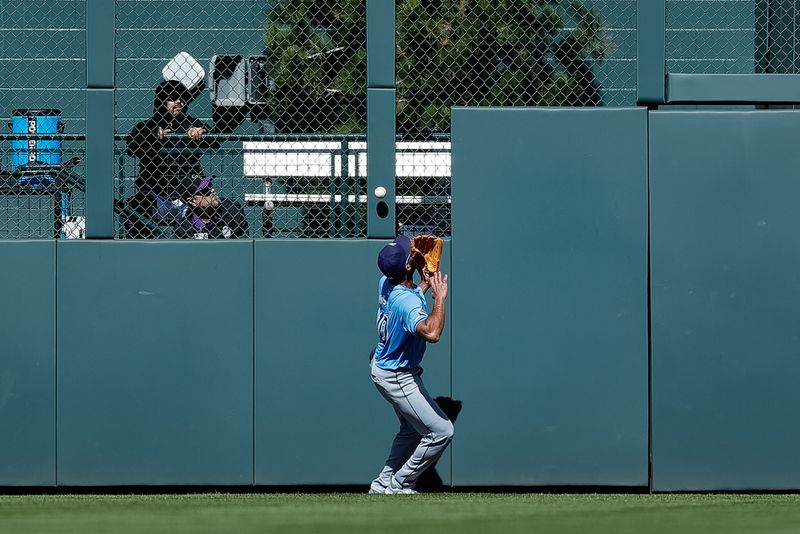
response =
{"points": [[400, 310]]}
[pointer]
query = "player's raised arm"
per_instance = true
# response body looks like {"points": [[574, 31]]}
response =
{"points": [[431, 328]]}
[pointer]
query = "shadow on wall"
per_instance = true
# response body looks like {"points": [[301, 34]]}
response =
{"points": [[430, 479]]}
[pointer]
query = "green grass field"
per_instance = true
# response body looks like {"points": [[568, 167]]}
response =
{"points": [[463, 513]]}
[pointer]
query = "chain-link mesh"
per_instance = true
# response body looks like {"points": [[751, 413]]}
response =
{"points": [[511, 53], [42, 115], [423, 187], [317, 50], [732, 36], [290, 187], [264, 98], [311, 188]]}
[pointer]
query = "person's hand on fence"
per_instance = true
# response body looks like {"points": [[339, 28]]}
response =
{"points": [[196, 133], [161, 132]]}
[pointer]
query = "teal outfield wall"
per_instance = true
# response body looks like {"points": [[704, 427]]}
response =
{"points": [[155, 363], [28, 363], [187, 363], [550, 311], [620, 315], [725, 299]]}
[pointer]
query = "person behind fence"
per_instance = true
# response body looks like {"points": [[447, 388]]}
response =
{"points": [[165, 179], [211, 217]]}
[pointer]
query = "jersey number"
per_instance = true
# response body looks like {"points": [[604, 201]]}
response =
{"points": [[383, 328]]}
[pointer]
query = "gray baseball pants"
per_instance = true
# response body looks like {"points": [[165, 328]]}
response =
{"points": [[425, 431]]}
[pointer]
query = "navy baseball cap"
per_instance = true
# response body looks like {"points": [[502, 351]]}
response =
{"points": [[392, 258]]}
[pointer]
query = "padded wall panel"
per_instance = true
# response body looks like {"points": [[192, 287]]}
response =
{"points": [[725, 299], [155, 363], [549, 316], [27, 363]]}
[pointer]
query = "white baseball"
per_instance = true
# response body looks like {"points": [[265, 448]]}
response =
{"points": [[380, 191]]}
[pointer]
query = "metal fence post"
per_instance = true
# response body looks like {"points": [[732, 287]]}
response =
{"points": [[651, 52], [333, 188], [344, 190], [381, 213], [100, 30]]}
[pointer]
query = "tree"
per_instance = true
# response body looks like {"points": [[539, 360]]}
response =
{"points": [[449, 52]]}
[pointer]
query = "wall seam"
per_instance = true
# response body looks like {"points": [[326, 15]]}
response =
{"points": [[649, 317], [56, 246], [253, 337]]}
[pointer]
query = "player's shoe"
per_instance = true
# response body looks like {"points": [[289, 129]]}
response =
{"points": [[395, 488], [377, 487]]}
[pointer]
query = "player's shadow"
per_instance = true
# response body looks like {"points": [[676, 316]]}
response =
{"points": [[430, 479]]}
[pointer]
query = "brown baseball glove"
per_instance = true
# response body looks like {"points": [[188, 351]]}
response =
{"points": [[427, 253]]}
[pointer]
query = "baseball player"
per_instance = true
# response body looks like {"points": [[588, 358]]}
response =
{"points": [[404, 328]]}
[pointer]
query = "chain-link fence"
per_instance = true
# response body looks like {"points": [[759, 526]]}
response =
{"points": [[275, 186], [272, 100], [42, 116], [311, 188], [732, 36], [268, 97], [185, 71], [511, 53], [241, 119]]}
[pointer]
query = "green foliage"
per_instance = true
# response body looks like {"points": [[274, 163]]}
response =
{"points": [[449, 52]]}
